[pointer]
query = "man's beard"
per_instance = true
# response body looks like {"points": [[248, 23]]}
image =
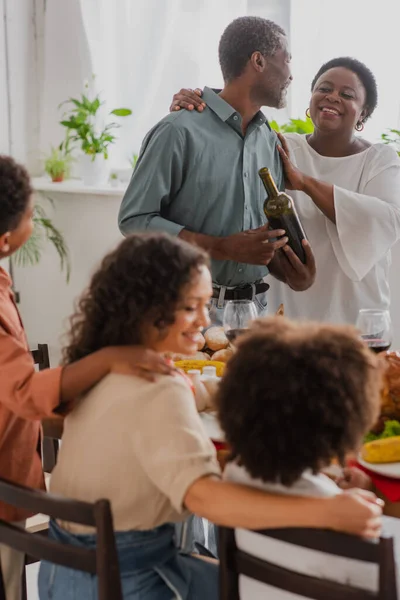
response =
{"points": [[273, 98], [282, 101]]}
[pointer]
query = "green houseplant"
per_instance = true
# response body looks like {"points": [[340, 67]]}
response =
{"points": [[82, 121], [294, 126], [133, 159], [392, 137], [58, 164], [44, 231], [114, 181]]}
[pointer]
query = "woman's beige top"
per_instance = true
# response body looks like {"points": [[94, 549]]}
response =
{"points": [[137, 443]]}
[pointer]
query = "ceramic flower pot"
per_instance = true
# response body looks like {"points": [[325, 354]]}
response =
{"points": [[93, 172], [58, 178]]}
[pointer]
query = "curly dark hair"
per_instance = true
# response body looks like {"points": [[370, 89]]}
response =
{"points": [[15, 192], [364, 74], [242, 38], [142, 279], [296, 395]]}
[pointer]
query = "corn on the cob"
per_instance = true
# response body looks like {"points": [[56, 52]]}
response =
{"points": [[386, 450]]}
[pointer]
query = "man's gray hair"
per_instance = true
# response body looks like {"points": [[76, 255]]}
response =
{"points": [[242, 38]]}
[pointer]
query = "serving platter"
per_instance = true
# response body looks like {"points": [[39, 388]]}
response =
{"points": [[387, 469]]}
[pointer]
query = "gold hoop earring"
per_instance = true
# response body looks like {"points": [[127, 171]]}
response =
{"points": [[308, 113], [359, 126]]}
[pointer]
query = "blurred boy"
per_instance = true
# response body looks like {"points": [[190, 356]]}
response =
{"points": [[294, 398]]}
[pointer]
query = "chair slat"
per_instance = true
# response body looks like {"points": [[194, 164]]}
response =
{"points": [[296, 583], [56, 507], [235, 562], [45, 549], [338, 544]]}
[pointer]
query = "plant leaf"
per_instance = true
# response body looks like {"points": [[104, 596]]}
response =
{"points": [[43, 231], [121, 112], [274, 125], [29, 254]]}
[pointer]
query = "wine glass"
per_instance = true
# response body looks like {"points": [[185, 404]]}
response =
{"points": [[376, 328], [237, 316]]}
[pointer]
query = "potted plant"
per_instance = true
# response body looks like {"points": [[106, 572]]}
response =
{"points": [[58, 164], [114, 180], [82, 121]]}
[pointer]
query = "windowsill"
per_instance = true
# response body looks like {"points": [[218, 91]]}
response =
{"points": [[75, 186]]}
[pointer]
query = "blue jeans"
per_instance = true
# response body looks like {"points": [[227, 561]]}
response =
{"points": [[150, 565]]}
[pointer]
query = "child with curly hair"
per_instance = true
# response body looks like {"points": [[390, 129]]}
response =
{"points": [[294, 398]]}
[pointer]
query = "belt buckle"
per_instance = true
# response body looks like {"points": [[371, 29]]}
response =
{"points": [[244, 293], [221, 297]]}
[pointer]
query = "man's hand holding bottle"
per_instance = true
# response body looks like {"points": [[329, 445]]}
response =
{"points": [[253, 247]]}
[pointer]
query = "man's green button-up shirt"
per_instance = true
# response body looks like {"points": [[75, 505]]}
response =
{"points": [[197, 171]]}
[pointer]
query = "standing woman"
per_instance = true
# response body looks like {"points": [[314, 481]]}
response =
{"points": [[346, 192]]}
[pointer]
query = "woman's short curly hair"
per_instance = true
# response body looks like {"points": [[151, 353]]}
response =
{"points": [[296, 395], [15, 192], [142, 279], [364, 74]]}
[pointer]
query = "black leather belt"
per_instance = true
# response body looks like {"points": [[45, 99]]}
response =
{"points": [[242, 293]]}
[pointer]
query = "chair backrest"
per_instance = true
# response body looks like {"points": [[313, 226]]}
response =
{"points": [[102, 561], [41, 356], [235, 562], [50, 442]]}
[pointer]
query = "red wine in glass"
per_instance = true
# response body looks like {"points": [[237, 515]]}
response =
{"points": [[378, 345], [376, 328], [238, 314], [232, 334]]}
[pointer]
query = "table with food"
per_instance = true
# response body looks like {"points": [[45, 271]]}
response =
{"points": [[380, 454]]}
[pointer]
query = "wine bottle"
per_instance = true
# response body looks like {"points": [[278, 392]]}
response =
{"points": [[281, 213]]}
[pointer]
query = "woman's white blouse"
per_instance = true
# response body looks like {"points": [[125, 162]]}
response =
{"points": [[353, 256]]}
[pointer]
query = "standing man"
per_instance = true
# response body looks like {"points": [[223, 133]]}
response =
{"points": [[197, 173]]}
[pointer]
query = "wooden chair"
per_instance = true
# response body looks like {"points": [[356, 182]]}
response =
{"points": [[234, 562], [50, 442], [102, 561], [41, 356]]}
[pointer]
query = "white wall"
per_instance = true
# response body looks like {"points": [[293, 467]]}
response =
{"points": [[89, 224]]}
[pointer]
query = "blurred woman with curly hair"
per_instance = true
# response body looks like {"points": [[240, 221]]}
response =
{"points": [[312, 392], [141, 444]]}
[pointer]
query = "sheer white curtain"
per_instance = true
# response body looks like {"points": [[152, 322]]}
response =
{"points": [[66, 64], [143, 51], [368, 31]]}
